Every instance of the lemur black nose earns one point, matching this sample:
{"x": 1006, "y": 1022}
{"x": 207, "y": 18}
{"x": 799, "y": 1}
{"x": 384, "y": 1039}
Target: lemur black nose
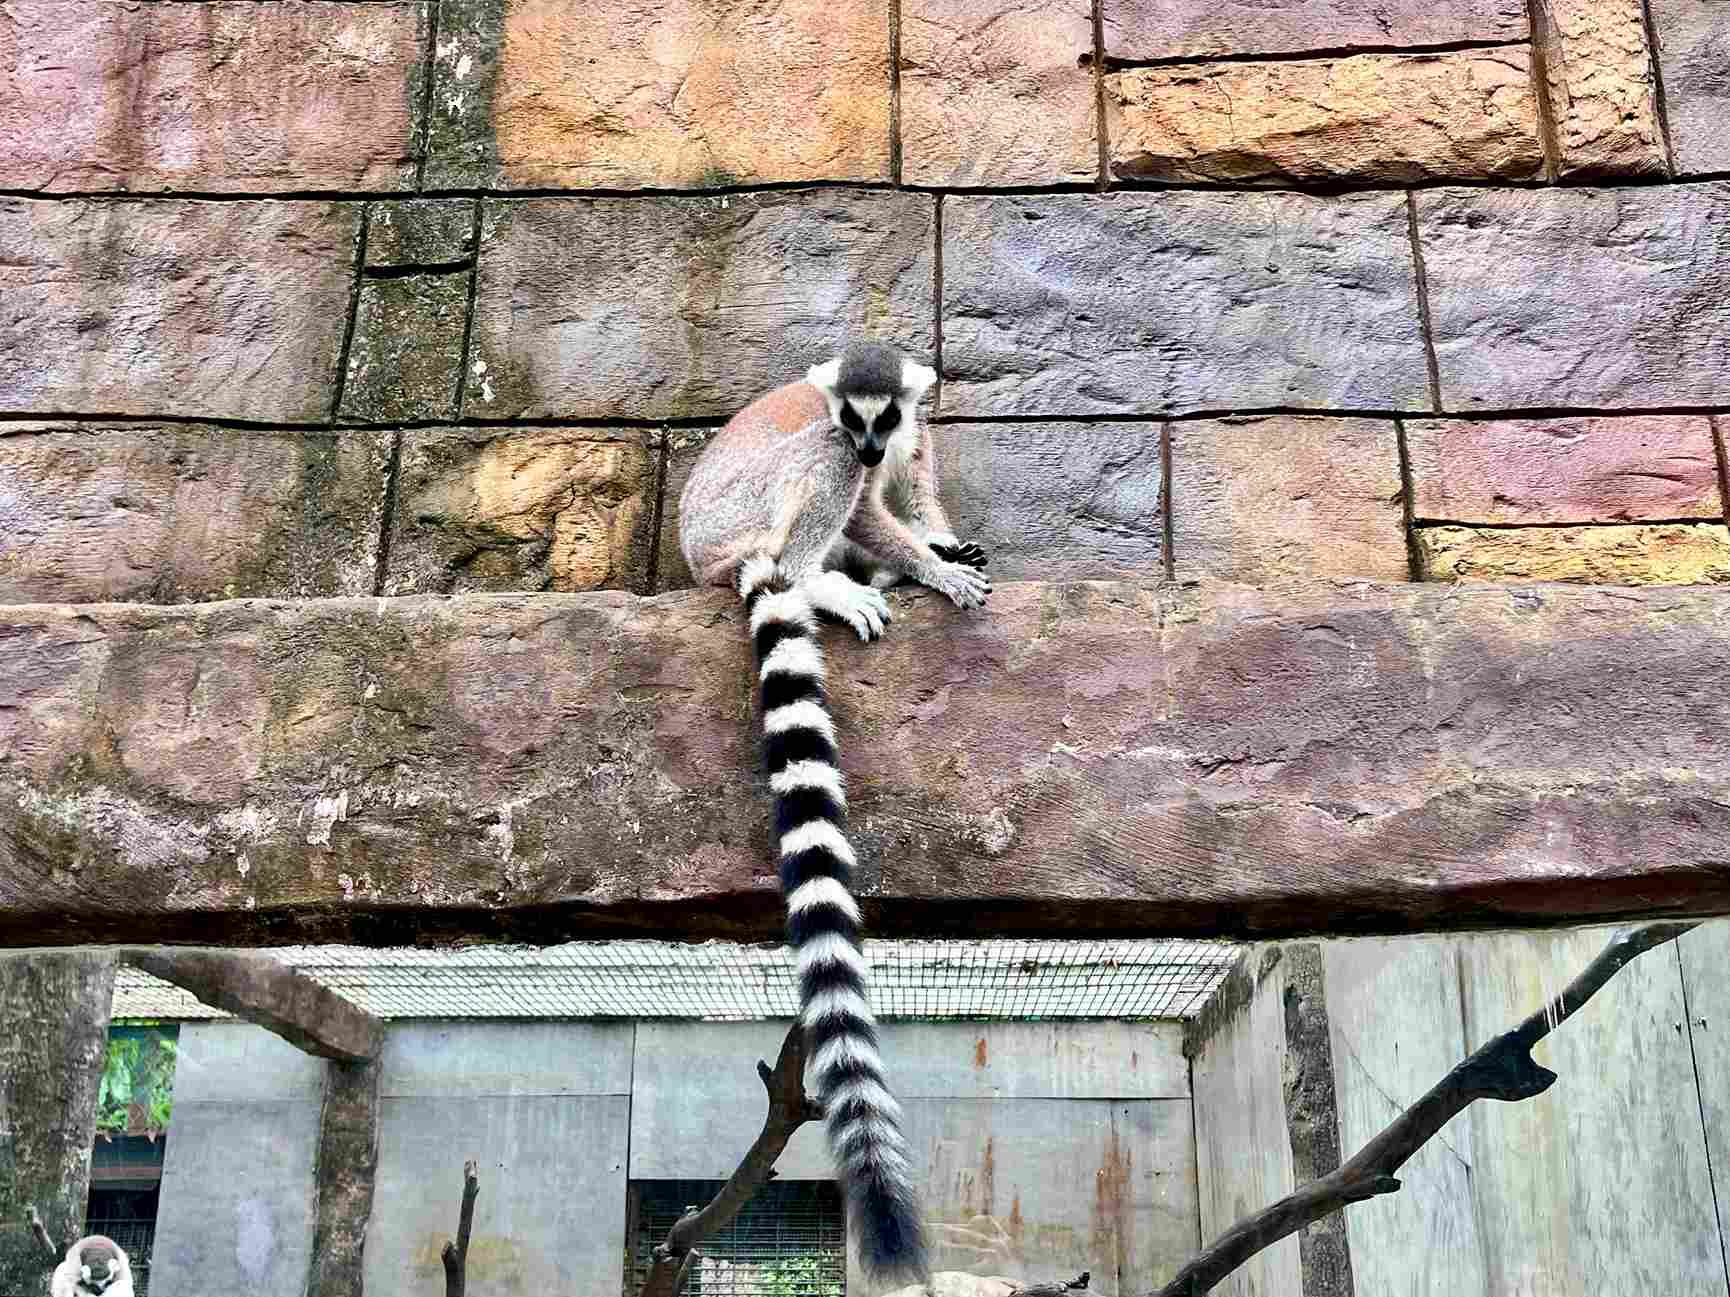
{"x": 870, "y": 456}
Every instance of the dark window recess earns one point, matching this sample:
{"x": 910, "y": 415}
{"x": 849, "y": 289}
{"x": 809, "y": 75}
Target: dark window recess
{"x": 128, "y": 1216}
{"x": 789, "y": 1241}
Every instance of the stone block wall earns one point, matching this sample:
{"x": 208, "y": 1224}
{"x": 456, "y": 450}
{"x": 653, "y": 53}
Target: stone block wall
{"x": 333, "y": 297}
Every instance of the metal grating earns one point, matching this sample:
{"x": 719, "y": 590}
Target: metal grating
{"x": 725, "y": 981}
{"x": 136, "y": 1238}
{"x": 789, "y": 1240}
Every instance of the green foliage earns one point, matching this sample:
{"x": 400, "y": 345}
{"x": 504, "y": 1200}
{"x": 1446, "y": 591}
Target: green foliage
{"x": 802, "y": 1276}
{"x": 136, "y": 1096}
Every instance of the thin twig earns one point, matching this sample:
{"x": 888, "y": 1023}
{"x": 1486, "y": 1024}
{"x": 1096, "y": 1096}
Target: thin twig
{"x": 456, "y": 1255}
{"x": 1502, "y": 1069}
{"x": 40, "y": 1232}
{"x": 789, "y": 1108}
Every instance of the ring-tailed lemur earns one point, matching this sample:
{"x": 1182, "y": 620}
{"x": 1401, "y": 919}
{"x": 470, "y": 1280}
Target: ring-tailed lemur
{"x": 818, "y": 478}
{"x": 93, "y": 1265}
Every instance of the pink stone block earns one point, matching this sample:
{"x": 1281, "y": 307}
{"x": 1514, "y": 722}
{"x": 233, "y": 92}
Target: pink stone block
{"x": 1595, "y": 469}
{"x": 220, "y": 96}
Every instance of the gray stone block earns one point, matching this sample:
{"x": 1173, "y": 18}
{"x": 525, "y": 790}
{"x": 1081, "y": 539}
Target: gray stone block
{"x": 1579, "y": 297}
{"x": 209, "y": 310}
{"x": 1055, "y": 501}
{"x": 1694, "y": 57}
{"x": 678, "y": 307}
{"x": 1152, "y": 303}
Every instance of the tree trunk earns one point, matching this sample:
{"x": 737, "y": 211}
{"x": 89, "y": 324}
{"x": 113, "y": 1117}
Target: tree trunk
{"x": 53, "y": 1039}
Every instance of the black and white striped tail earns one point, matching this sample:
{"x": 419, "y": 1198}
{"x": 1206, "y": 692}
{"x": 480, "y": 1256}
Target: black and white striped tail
{"x": 823, "y": 925}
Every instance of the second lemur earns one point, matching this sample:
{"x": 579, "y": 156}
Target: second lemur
{"x": 805, "y": 488}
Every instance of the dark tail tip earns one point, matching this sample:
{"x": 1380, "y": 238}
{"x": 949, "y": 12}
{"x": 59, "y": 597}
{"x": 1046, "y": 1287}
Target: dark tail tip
{"x": 891, "y": 1240}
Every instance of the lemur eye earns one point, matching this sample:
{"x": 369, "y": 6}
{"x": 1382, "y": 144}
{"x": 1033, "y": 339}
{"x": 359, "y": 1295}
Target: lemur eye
{"x": 850, "y": 417}
{"x": 890, "y": 419}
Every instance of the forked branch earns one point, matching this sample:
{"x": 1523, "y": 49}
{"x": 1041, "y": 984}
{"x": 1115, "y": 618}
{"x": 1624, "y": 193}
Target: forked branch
{"x": 789, "y": 1108}
{"x": 1502, "y": 1069}
{"x": 456, "y": 1255}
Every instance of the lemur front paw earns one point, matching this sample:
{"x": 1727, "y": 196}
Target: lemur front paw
{"x": 951, "y": 550}
{"x": 838, "y": 595}
{"x": 965, "y": 585}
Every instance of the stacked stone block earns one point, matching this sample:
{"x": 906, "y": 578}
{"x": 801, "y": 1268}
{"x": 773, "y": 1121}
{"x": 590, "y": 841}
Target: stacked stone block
{"x": 331, "y": 297}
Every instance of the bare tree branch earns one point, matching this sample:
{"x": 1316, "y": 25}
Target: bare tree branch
{"x": 456, "y": 1255}
{"x": 39, "y": 1232}
{"x": 1502, "y": 1069}
{"x": 789, "y": 1108}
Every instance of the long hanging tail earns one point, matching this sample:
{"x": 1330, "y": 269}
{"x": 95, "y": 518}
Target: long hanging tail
{"x": 823, "y": 925}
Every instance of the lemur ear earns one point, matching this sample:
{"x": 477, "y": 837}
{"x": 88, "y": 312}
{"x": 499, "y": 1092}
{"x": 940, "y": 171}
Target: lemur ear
{"x": 824, "y": 377}
{"x": 916, "y": 379}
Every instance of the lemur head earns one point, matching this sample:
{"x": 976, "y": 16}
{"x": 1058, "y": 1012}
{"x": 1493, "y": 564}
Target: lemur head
{"x": 871, "y": 389}
{"x": 100, "y": 1263}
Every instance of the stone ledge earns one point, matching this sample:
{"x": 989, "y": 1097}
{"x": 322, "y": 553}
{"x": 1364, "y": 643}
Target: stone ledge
{"x": 1081, "y": 759}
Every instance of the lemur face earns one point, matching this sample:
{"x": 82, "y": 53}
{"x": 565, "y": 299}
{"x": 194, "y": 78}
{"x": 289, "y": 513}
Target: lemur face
{"x": 871, "y": 389}
{"x": 869, "y": 421}
{"x": 99, "y": 1266}
{"x": 96, "y": 1277}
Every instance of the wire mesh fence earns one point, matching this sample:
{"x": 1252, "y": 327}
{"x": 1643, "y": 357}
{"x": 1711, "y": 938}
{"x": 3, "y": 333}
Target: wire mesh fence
{"x": 722, "y": 981}
{"x": 789, "y": 1240}
{"x": 135, "y": 1238}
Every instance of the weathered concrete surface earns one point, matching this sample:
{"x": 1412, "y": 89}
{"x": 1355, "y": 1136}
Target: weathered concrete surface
{"x": 676, "y": 1136}
{"x": 523, "y": 509}
{"x": 1603, "y": 98}
{"x": 408, "y": 348}
{"x": 1470, "y": 114}
{"x": 431, "y": 1060}
{"x": 1164, "y": 29}
{"x": 1264, "y": 500}
{"x": 1238, "y": 1053}
{"x": 175, "y": 512}
{"x": 421, "y": 232}
{"x": 269, "y": 994}
{"x": 220, "y": 96}
{"x": 1704, "y": 955}
{"x": 1396, "y": 1028}
{"x": 1055, "y": 501}
{"x": 1083, "y": 758}
{"x": 1694, "y": 55}
{"x": 239, "y": 1203}
{"x": 1631, "y": 554}
{"x": 1604, "y": 298}
{"x": 1004, "y": 1186}
{"x": 697, "y": 1102}
{"x": 1152, "y": 303}
{"x": 993, "y": 92}
{"x": 1634, "y": 469}
{"x": 1624, "y": 1107}
{"x": 700, "y": 94}
{"x": 211, "y": 310}
{"x": 544, "y": 1107}
{"x": 659, "y": 308}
